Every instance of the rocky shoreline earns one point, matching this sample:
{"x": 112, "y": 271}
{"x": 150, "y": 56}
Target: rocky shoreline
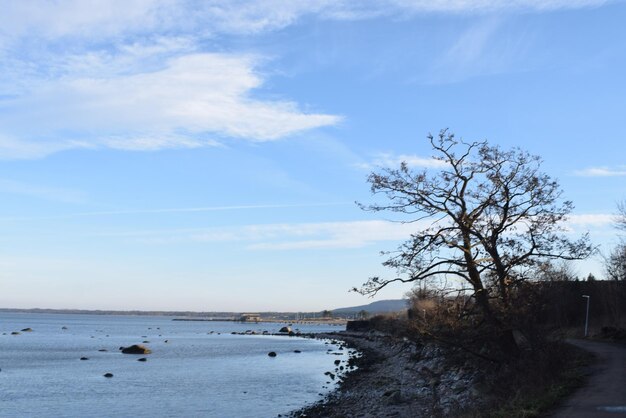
{"x": 396, "y": 377}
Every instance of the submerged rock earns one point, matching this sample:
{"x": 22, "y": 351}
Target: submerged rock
{"x": 136, "y": 349}
{"x": 142, "y": 359}
{"x": 108, "y": 375}
{"x": 272, "y": 354}
{"x": 27, "y": 330}
{"x": 84, "y": 358}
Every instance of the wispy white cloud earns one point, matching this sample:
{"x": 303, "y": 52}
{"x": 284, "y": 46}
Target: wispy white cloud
{"x": 124, "y": 212}
{"x": 477, "y": 6}
{"x": 297, "y": 236}
{"x": 602, "y": 171}
{"x": 322, "y": 235}
{"x": 188, "y": 103}
{"x": 135, "y": 74}
{"x": 390, "y": 160}
{"x": 21, "y": 148}
{"x": 474, "y": 53}
{"x": 331, "y": 235}
{"x": 41, "y": 192}
{"x": 292, "y": 236}
{"x": 591, "y": 219}
{"x": 116, "y": 17}
{"x": 598, "y": 224}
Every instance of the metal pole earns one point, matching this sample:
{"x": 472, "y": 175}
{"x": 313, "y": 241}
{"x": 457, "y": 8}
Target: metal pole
{"x": 587, "y": 315}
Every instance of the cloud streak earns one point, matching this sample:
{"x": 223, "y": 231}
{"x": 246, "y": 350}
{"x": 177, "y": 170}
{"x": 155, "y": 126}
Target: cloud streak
{"x": 159, "y": 210}
{"x": 602, "y": 172}
{"x": 319, "y": 236}
{"x": 591, "y": 219}
{"x": 62, "y": 19}
{"x": 46, "y": 193}
{"x": 390, "y": 160}
{"x": 283, "y": 237}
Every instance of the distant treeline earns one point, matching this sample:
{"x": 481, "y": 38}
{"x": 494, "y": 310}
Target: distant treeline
{"x": 186, "y": 314}
{"x": 106, "y": 312}
{"x": 563, "y": 304}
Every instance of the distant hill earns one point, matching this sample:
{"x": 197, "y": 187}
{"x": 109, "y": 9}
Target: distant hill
{"x": 378, "y": 307}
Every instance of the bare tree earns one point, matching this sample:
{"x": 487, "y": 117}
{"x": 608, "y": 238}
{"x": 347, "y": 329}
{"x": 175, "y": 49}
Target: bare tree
{"x": 493, "y": 214}
{"x": 615, "y": 262}
{"x": 620, "y": 218}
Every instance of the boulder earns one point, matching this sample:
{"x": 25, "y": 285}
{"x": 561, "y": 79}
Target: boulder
{"x": 84, "y": 358}
{"x": 136, "y": 349}
{"x": 285, "y": 329}
{"x": 142, "y": 359}
{"x": 272, "y": 354}
{"x": 27, "y": 330}
{"x": 108, "y": 375}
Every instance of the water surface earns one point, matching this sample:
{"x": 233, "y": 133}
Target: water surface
{"x": 196, "y": 369}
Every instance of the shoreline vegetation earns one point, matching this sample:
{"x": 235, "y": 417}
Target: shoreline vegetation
{"x": 394, "y": 376}
{"x": 443, "y": 363}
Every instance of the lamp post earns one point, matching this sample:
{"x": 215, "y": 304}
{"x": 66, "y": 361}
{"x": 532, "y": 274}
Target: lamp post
{"x": 587, "y": 315}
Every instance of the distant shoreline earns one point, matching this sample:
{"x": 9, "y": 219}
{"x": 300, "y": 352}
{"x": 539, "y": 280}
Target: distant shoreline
{"x": 114, "y": 312}
{"x": 328, "y": 321}
{"x": 190, "y": 315}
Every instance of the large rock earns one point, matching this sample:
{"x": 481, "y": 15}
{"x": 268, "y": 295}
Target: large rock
{"x": 136, "y": 349}
{"x": 285, "y": 329}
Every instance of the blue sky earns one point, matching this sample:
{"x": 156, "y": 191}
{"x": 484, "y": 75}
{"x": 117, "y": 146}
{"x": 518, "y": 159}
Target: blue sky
{"x": 206, "y": 155}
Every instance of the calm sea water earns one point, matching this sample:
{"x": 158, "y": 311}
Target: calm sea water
{"x": 201, "y": 371}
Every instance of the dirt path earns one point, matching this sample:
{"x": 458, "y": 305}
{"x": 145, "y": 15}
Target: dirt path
{"x": 604, "y": 395}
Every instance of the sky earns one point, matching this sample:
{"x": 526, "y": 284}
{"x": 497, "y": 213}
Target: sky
{"x": 207, "y": 155}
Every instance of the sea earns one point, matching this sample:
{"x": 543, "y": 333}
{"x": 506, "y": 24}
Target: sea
{"x": 196, "y": 368}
